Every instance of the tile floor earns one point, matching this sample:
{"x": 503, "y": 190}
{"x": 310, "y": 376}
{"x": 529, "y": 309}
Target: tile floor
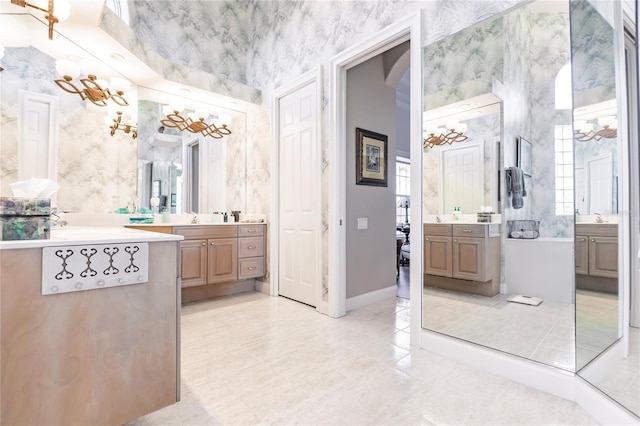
{"x": 254, "y": 359}
{"x": 624, "y": 384}
{"x": 543, "y": 333}
{"x": 597, "y": 323}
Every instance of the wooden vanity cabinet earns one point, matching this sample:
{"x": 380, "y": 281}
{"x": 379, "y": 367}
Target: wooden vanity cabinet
{"x": 222, "y": 260}
{"x": 193, "y": 255}
{"x": 251, "y": 242}
{"x": 438, "y": 250}
{"x": 463, "y": 257}
{"x": 597, "y": 250}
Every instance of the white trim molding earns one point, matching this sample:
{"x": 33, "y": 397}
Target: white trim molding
{"x": 391, "y": 36}
{"x": 371, "y": 297}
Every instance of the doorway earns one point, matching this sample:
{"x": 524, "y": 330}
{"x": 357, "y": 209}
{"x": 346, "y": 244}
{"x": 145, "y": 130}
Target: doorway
{"x": 393, "y": 35}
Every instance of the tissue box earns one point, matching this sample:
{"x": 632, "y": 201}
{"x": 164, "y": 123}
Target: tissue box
{"x": 24, "y": 218}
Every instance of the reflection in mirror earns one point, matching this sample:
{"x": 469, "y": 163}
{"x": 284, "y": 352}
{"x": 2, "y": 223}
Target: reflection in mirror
{"x": 599, "y": 163}
{"x": 597, "y": 177}
{"x": 479, "y": 284}
{"x": 96, "y": 171}
{"x": 196, "y": 173}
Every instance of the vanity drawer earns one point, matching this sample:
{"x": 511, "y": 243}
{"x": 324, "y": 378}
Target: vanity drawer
{"x": 250, "y": 247}
{"x": 437, "y": 229}
{"x": 207, "y": 231}
{"x": 250, "y": 268}
{"x": 250, "y": 230}
{"x": 469, "y": 230}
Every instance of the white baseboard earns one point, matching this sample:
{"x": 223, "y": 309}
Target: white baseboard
{"x": 371, "y": 297}
{"x": 503, "y": 288}
{"x": 538, "y": 376}
{"x": 548, "y": 379}
{"x": 599, "y": 406}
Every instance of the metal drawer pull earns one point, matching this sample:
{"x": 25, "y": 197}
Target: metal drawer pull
{"x": 593, "y": 240}
{"x": 581, "y": 239}
{"x": 467, "y": 230}
{"x": 251, "y": 268}
{"x": 251, "y": 247}
{"x": 249, "y": 231}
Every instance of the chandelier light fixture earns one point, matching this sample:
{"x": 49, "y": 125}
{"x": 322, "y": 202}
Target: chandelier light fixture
{"x": 93, "y": 89}
{"x": 195, "y": 122}
{"x": 114, "y": 121}
{"x": 585, "y": 130}
{"x": 453, "y": 132}
{"x": 62, "y": 10}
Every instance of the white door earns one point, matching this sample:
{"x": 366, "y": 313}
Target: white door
{"x": 600, "y": 181}
{"x": 299, "y": 229}
{"x": 462, "y": 170}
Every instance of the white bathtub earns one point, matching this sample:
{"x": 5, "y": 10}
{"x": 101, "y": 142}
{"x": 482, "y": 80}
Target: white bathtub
{"x": 543, "y": 267}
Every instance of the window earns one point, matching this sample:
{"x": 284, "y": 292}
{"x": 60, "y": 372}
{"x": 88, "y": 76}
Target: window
{"x": 120, "y": 8}
{"x": 403, "y": 189}
{"x": 564, "y": 169}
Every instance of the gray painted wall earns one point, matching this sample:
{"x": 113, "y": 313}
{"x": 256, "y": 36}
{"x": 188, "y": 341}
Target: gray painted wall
{"x": 371, "y": 105}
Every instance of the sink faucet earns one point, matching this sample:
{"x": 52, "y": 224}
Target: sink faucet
{"x": 55, "y": 219}
{"x": 194, "y": 218}
{"x": 438, "y": 220}
{"x": 599, "y": 218}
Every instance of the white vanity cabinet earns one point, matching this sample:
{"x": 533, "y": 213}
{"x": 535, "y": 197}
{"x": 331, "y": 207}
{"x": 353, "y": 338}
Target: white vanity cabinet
{"x": 463, "y": 257}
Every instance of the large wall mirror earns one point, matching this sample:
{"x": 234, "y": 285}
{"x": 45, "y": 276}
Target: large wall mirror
{"x": 489, "y": 95}
{"x": 188, "y": 171}
{"x": 100, "y": 172}
{"x": 599, "y": 169}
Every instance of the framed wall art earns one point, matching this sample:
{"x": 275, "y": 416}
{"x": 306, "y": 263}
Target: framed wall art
{"x": 371, "y": 158}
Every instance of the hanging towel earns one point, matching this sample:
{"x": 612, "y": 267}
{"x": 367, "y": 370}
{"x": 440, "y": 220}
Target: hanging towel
{"x": 515, "y": 186}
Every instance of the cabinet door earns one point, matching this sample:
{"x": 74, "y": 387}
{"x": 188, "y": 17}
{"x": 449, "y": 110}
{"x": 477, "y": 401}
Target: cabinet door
{"x": 468, "y": 258}
{"x": 437, "y": 255}
{"x": 222, "y": 264}
{"x": 582, "y": 254}
{"x": 603, "y": 257}
{"x": 193, "y": 262}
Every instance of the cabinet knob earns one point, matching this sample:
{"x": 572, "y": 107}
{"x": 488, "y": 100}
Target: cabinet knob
{"x": 581, "y": 240}
{"x": 455, "y": 241}
{"x": 426, "y": 239}
{"x": 593, "y": 240}
{"x": 204, "y": 244}
{"x": 213, "y": 244}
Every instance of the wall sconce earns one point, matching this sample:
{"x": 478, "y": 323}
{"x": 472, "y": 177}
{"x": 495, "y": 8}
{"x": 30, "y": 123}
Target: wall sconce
{"x": 453, "y": 132}
{"x": 195, "y": 121}
{"x": 114, "y": 121}
{"x": 95, "y": 90}
{"x": 584, "y": 130}
{"x": 62, "y": 7}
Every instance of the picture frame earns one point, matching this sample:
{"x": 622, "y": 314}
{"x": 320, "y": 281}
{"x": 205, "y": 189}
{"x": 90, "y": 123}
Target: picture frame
{"x": 371, "y": 158}
{"x": 525, "y": 151}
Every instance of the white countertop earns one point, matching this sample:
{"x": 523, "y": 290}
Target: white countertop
{"x": 82, "y": 235}
{"x": 160, "y": 224}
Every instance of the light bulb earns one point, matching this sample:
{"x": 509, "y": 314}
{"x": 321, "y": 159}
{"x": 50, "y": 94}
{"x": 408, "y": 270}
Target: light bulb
{"x": 68, "y": 68}
{"x": 582, "y": 126}
{"x": 452, "y": 125}
{"x": 119, "y": 84}
{"x": 176, "y": 105}
{"x": 201, "y": 113}
{"x": 462, "y": 127}
{"x": 108, "y": 120}
{"x": 608, "y": 121}
{"x": 62, "y": 9}
{"x": 193, "y": 116}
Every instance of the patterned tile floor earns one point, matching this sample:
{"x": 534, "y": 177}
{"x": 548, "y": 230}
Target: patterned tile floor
{"x": 254, "y": 359}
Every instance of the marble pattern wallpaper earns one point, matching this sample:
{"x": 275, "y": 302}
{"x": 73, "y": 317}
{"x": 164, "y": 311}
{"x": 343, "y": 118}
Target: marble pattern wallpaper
{"x": 463, "y": 65}
{"x": 284, "y": 39}
{"x": 96, "y": 172}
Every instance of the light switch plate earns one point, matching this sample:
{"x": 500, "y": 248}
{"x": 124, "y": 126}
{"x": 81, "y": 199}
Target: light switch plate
{"x": 363, "y": 223}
